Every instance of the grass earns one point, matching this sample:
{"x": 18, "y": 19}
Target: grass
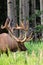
{"x": 36, "y": 46}
{"x": 33, "y": 56}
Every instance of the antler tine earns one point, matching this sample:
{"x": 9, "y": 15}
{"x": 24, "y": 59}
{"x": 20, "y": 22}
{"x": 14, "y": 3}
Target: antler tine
{"x": 27, "y": 25}
{"x": 16, "y": 25}
{"x": 18, "y": 28}
{"x": 6, "y": 23}
{"x": 30, "y": 37}
{"x": 23, "y": 39}
{"x": 21, "y": 27}
{"x": 22, "y": 24}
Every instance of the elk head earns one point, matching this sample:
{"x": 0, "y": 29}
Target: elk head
{"x": 21, "y": 27}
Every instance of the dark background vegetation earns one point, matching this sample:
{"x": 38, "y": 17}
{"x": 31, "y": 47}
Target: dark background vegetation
{"x": 3, "y": 12}
{"x": 3, "y": 9}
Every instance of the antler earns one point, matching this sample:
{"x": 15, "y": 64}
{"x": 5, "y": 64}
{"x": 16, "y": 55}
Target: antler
{"x": 21, "y": 27}
{"x": 6, "y": 23}
{"x": 30, "y": 37}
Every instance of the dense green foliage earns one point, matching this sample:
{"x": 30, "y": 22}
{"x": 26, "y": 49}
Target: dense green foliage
{"x": 24, "y": 58}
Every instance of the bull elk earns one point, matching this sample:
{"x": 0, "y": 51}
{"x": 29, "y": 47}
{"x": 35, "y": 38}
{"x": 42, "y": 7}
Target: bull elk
{"x": 11, "y": 41}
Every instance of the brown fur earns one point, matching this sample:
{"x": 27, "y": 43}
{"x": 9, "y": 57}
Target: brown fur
{"x": 7, "y": 42}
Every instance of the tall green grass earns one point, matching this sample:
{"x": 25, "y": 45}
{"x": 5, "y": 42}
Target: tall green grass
{"x": 22, "y": 58}
{"x": 33, "y": 56}
{"x": 36, "y": 46}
